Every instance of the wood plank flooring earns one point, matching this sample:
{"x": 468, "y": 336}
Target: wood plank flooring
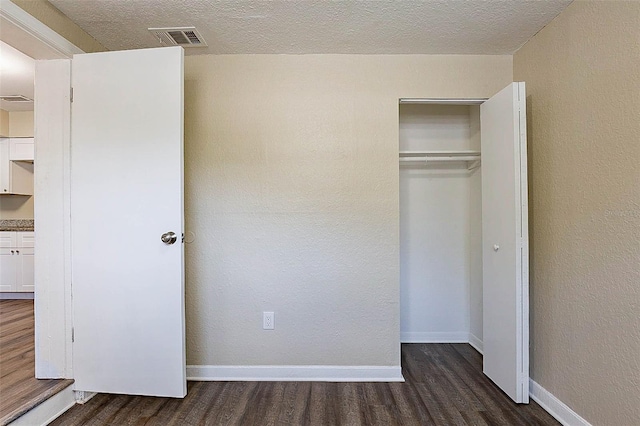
{"x": 19, "y": 389}
{"x": 444, "y": 386}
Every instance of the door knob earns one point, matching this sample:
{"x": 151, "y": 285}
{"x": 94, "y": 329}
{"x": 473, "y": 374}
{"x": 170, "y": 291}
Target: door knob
{"x": 169, "y": 238}
{"x": 496, "y": 247}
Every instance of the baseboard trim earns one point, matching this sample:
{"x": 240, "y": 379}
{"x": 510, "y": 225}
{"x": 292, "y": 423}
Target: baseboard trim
{"x": 434, "y": 337}
{"x": 82, "y": 397}
{"x": 558, "y": 409}
{"x": 49, "y": 410}
{"x": 294, "y": 373}
{"x": 475, "y": 342}
{"x": 16, "y": 296}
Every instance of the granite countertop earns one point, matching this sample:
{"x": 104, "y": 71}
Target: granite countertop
{"x": 16, "y": 224}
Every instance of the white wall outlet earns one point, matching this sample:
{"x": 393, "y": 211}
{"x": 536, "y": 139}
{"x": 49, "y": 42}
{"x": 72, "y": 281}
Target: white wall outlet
{"x": 268, "y": 321}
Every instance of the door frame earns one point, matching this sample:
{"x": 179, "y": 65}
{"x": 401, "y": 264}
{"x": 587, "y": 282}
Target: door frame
{"x": 523, "y": 224}
{"x": 53, "y": 315}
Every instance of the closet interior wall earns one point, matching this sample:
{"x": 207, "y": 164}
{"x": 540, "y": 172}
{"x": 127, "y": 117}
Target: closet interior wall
{"x": 440, "y": 227}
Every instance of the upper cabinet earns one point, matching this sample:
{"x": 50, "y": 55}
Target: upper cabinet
{"x": 21, "y": 149}
{"x": 16, "y": 177}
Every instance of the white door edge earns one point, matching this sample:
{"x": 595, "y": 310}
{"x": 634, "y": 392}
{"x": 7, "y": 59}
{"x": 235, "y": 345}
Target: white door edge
{"x": 524, "y": 238}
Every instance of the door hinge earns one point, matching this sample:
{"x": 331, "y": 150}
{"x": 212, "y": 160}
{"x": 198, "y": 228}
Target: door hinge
{"x": 72, "y": 94}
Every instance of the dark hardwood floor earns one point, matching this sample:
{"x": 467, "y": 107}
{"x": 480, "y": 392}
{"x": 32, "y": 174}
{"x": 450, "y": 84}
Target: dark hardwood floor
{"x": 444, "y": 386}
{"x": 19, "y": 389}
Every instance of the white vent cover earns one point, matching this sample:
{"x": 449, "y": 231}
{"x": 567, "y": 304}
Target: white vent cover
{"x": 15, "y": 98}
{"x": 179, "y": 36}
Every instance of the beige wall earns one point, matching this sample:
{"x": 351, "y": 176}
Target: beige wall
{"x": 49, "y": 15}
{"x": 19, "y": 124}
{"x": 583, "y": 100}
{"x": 4, "y": 123}
{"x": 16, "y": 207}
{"x": 292, "y": 194}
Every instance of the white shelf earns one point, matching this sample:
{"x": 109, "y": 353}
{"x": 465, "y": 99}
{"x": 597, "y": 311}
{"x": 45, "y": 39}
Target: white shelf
{"x": 443, "y": 101}
{"x": 471, "y": 158}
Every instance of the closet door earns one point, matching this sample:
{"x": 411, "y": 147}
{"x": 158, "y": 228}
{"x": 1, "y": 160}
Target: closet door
{"x": 505, "y": 251}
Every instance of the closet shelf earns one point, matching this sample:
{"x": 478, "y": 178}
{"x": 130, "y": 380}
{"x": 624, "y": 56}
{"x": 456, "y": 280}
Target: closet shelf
{"x": 471, "y": 158}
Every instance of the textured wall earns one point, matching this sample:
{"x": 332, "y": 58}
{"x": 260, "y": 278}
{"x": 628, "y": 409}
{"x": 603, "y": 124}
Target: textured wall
{"x": 46, "y": 13}
{"x": 583, "y": 101}
{"x": 20, "y": 124}
{"x": 4, "y": 123}
{"x": 292, "y": 194}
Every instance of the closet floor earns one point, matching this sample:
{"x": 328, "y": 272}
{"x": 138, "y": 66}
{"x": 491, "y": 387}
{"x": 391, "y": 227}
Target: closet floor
{"x": 20, "y": 391}
{"x": 444, "y": 386}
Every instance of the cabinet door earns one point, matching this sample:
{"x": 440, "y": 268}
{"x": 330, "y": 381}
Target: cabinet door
{"x": 5, "y": 174}
{"x": 24, "y": 239}
{"x": 8, "y": 239}
{"x": 24, "y": 259}
{"x": 7, "y": 269}
{"x": 21, "y": 149}
{"x": 15, "y": 177}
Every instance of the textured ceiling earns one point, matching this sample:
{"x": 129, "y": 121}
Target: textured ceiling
{"x": 306, "y": 27}
{"x": 16, "y": 77}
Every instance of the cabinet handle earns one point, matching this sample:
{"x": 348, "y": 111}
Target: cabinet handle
{"x": 17, "y": 251}
{"x": 11, "y": 251}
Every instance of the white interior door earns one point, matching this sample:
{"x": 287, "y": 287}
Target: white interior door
{"x": 126, "y": 192}
{"x": 505, "y": 251}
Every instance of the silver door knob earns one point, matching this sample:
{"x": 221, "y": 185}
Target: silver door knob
{"x": 169, "y": 238}
{"x": 496, "y": 247}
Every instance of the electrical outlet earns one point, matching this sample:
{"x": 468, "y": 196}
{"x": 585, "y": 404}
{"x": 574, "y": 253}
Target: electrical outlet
{"x": 268, "y": 321}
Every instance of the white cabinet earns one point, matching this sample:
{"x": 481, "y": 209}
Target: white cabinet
{"x": 21, "y": 149}
{"x": 16, "y": 261}
{"x": 8, "y": 270}
{"x": 16, "y": 177}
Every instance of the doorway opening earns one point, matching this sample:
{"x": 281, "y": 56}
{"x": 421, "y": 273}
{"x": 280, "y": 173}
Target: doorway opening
{"x": 440, "y": 224}
{"x": 20, "y": 389}
{"x": 463, "y": 229}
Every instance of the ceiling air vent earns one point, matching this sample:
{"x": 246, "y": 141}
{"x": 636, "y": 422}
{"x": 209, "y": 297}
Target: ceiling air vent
{"x": 179, "y": 36}
{"x": 15, "y": 98}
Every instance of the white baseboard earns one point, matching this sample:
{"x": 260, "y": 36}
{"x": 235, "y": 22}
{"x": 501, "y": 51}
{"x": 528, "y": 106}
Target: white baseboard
{"x": 434, "y": 337}
{"x": 49, "y": 410}
{"x": 15, "y": 296}
{"x": 475, "y": 342}
{"x": 294, "y": 373}
{"x": 558, "y": 409}
{"x": 82, "y": 397}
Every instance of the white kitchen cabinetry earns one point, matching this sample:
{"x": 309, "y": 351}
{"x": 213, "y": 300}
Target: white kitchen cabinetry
{"x": 21, "y": 149}
{"x": 16, "y": 177}
{"x": 16, "y": 261}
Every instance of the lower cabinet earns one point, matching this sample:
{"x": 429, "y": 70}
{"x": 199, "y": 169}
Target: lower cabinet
{"x": 16, "y": 261}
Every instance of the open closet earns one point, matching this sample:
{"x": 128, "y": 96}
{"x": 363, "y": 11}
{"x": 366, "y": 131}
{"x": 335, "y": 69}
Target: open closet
{"x": 463, "y": 229}
{"x": 440, "y": 223}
